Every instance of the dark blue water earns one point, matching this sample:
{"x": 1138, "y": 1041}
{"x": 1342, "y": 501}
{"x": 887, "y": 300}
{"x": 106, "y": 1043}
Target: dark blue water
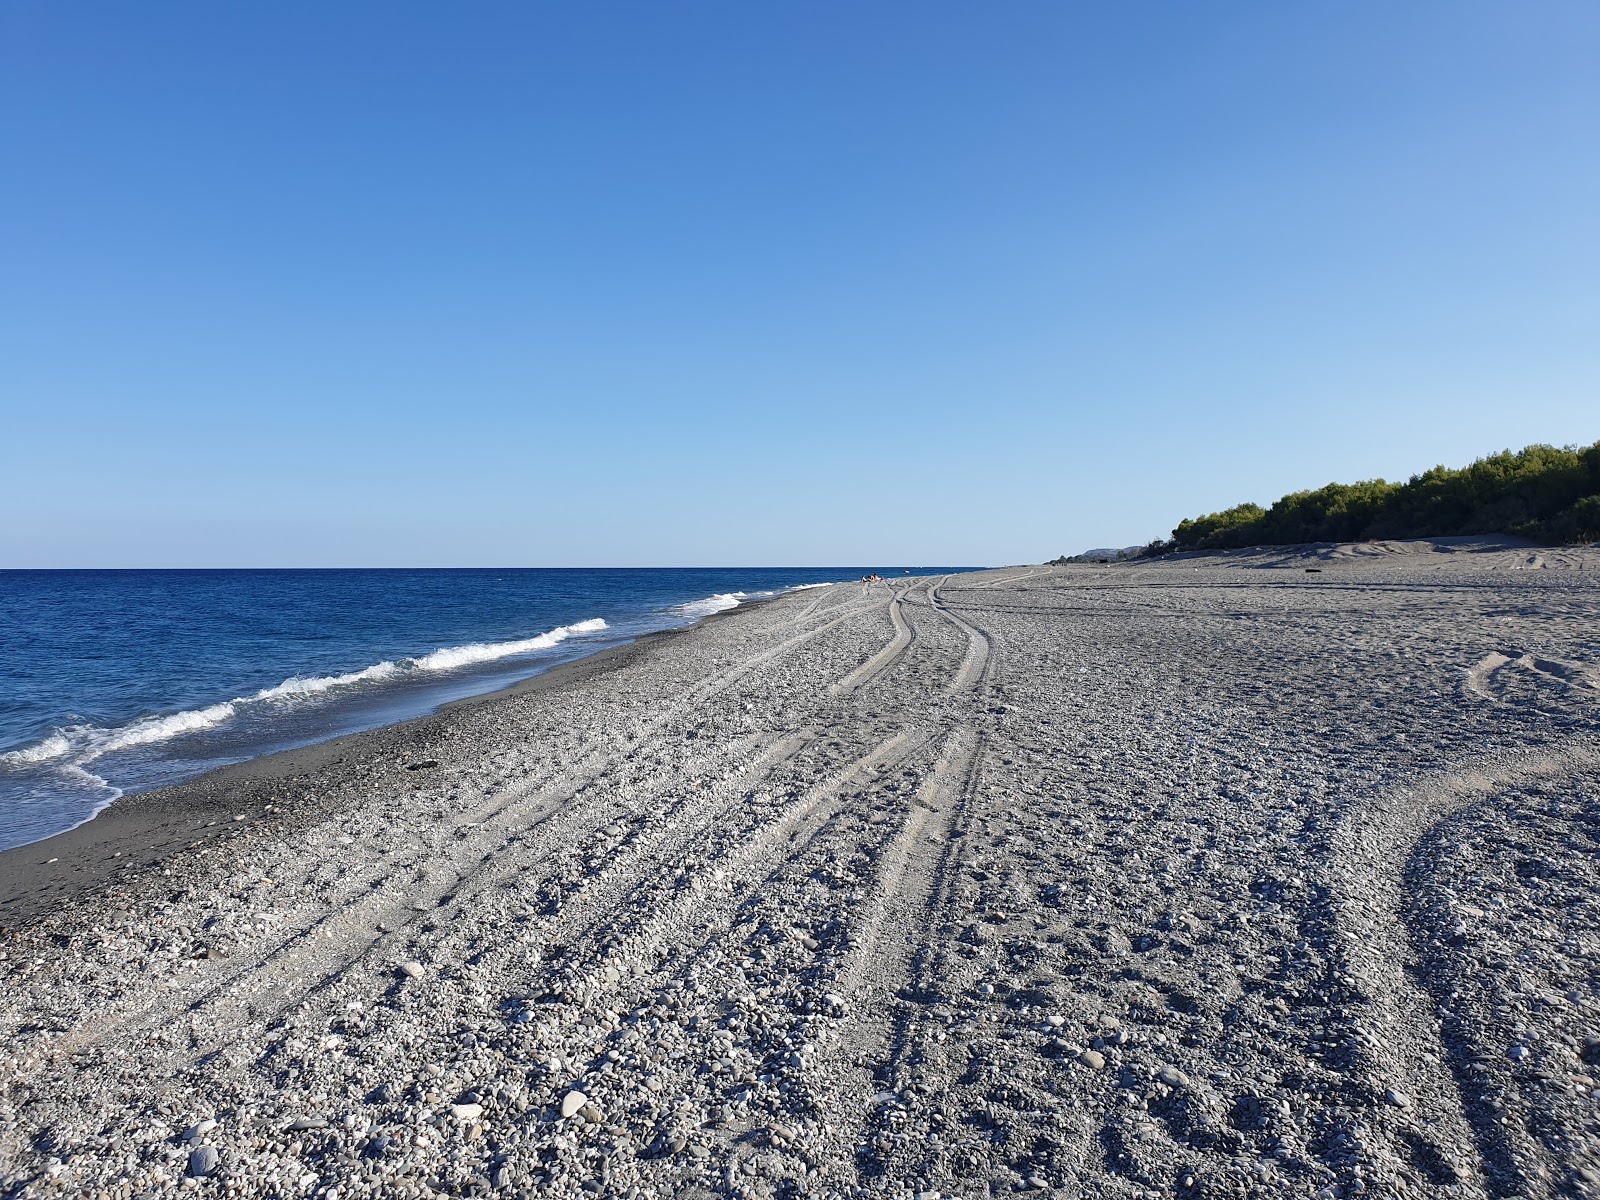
{"x": 120, "y": 681}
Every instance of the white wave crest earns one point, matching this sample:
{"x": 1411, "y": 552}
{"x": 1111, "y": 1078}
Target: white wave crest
{"x": 54, "y": 746}
{"x": 462, "y": 656}
{"x": 159, "y": 729}
{"x": 299, "y": 686}
{"x": 711, "y": 604}
{"x": 85, "y": 743}
{"x": 803, "y": 587}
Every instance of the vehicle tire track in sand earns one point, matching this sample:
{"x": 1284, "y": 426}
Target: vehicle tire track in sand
{"x": 1371, "y": 847}
{"x": 726, "y": 882}
{"x": 801, "y": 617}
{"x": 1480, "y": 673}
{"x": 880, "y": 661}
{"x": 1573, "y": 678}
{"x": 1007, "y": 580}
{"x": 398, "y": 892}
{"x": 378, "y": 911}
{"x": 599, "y": 895}
{"x": 426, "y": 881}
{"x": 887, "y": 945}
{"x": 974, "y": 666}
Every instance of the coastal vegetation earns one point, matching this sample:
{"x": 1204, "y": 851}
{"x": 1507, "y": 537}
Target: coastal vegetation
{"x": 1549, "y": 494}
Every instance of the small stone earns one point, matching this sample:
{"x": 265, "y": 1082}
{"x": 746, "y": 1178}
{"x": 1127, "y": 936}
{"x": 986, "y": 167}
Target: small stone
{"x": 1172, "y": 1077}
{"x": 1518, "y": 1053}
{"x": 413, "y": 970}
{"x": 1092, "y": 1058}
{"x": 466, "y": 1112}
{"x": 202, "y": 1161}
{"x": 1397, "y": 1098}
{"x": 590, "y": 1114}
{"x": 300, "y": 1124}
{"x": 573, "y": 1103}
{"x": 199, "y": 1130}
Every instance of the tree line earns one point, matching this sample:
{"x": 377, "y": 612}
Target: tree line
{"x": 1549, "y": 494}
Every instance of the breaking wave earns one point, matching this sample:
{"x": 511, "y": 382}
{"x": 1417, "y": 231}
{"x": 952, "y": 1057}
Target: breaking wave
{"x": 84, "y": 743}
{"x": 54, "y": 746}
{"x": 711, "y": 604}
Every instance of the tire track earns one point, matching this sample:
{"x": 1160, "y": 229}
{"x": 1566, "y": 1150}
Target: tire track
{"x": 424, "y": 880}
{"x": 598, "y": 894}
{"x": 377, "y": 913}
{"x": 974, "y": 668}
{"x": 880, "y": 661}
{"x": 712, "y": 897}
{"x": 1370, "y": 849}
{"x": 877, "y": 978}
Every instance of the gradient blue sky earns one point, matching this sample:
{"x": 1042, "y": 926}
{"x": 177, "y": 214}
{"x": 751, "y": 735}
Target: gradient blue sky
{"x": 688, "y": 283}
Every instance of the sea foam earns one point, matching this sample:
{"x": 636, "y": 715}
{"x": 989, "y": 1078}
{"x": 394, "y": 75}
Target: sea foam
{"x": 478, "y": 652}
{"x": 85, "y": 743}
{"x": 54, "y": 746}
{"x": 711, "y": 604}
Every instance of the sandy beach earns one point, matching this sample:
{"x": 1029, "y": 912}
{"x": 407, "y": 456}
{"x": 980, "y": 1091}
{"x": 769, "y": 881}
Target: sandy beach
{"x": 1271, "y": 873}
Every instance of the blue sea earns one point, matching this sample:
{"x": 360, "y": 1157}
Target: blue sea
{"x": 121, "y": 681}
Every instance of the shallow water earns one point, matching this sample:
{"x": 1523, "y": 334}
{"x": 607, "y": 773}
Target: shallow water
{"x": 118, "y": 681}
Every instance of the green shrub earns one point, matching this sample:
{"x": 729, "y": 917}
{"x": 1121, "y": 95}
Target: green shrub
{"x": 1547, "y": 493}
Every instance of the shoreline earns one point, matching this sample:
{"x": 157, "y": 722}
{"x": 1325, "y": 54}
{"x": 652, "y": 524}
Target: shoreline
{"x": 131, "y": 838}
{"x": 1113, "y": 882}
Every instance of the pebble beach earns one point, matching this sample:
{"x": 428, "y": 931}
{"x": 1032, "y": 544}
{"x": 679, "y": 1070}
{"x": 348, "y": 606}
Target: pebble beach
{"x": 1269, "y": 873}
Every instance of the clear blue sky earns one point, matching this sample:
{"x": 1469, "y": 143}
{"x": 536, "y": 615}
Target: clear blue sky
{"x": 688, "y": 283}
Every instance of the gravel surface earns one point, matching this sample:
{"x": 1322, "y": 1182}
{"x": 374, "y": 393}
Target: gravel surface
{"x": 1256, "y": 875}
